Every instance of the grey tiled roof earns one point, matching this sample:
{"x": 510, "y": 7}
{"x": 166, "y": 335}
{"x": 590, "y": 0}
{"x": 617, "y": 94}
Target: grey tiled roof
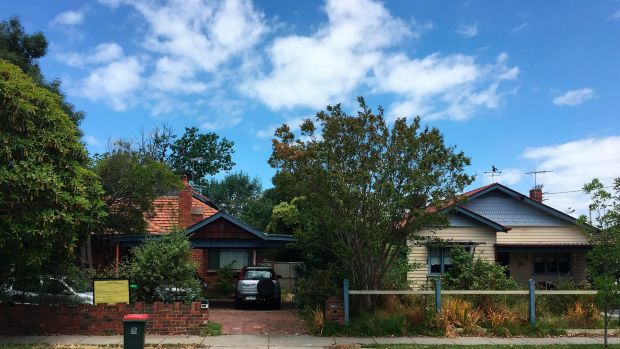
{"x": 511, "y": 212}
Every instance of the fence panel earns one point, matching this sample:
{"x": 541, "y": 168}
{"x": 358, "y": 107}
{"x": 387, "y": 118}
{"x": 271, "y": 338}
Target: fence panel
{"x": 531, "y": 292}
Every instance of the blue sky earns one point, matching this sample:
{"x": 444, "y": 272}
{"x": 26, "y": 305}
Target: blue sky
{"x": 522, "y": 85}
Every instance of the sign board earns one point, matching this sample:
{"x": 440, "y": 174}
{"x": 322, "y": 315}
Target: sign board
{"x": 111, "y": 291}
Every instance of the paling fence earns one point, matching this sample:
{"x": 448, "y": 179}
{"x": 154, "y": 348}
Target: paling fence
{"x": 531, "y": 293}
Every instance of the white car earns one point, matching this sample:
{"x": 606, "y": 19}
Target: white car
{"x": 47, "y": 289}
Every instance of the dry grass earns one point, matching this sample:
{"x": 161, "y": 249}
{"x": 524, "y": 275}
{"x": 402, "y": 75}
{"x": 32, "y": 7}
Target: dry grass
{"x": 457, "y": 313}
{"x": 583, "y": 314}
{"x": 318, "y": 320}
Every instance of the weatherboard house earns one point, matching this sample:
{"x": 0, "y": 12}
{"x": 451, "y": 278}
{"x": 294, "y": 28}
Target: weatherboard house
{"x": 217, "y": 238}
{"x": 496, "y": 223}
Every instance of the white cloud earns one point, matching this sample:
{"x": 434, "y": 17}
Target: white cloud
{"x": 574, "y": 97}
{"x": 70, "y": 18}
{"x": 443, "y": 87}
{"x": 615, "y": 16}
{"x": 354, "y": 50}
{"x": 520, "y": 27}
{"x": 114, "y": 83}
{"x": 574, "y": 164}
{"x": 103, "y": 53}
{"x": 325, "y": 67}
{"x": 468, "y": 31}
{"x": 93, "y": 141}
{"x": 268, "y": 132}
{"x": 198, "y": 36}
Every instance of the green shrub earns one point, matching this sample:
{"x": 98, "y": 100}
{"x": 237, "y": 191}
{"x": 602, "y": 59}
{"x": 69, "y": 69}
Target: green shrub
{"x": 469, "y": 273}
{"x": 163, "y": 269}
{"x": 224, "y": 286}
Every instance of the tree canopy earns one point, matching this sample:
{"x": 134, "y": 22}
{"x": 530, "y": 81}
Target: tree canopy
{"x": 233, "y": 193}
{"x": 197, "y": 155}
{"x": 131, "y": 182}
{"x": 24, "y": 50}
{"x": 49, "y": 201}
{"x": 364, "y": 187}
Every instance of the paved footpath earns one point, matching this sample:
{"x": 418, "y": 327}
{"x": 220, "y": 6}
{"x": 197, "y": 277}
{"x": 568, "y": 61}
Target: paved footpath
{"x": 292, "y": 341}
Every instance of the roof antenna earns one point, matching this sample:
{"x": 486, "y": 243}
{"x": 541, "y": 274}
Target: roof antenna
{"x": 495, "y": 172}
{"x": 537, "y": 173}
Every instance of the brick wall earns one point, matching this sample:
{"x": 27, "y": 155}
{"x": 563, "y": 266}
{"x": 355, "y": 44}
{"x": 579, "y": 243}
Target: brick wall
{"x": 26, "y": 319}
{"x": 200, "y": 256}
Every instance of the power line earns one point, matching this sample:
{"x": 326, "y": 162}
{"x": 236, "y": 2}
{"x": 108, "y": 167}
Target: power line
{"x": 573, "y": 191}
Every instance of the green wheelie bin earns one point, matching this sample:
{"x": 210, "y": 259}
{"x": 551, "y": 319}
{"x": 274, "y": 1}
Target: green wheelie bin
{"x": 134, "y": 328}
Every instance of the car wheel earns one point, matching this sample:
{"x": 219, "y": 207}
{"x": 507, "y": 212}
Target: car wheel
{"x": 238, "y": 303}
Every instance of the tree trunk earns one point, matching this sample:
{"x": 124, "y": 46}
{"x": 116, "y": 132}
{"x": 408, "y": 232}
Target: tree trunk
{"x": 607, "y": 316}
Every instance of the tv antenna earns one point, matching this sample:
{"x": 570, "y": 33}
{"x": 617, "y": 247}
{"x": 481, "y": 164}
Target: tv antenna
{"x": 537, "y": 173}
{"x": 495, "y": 172}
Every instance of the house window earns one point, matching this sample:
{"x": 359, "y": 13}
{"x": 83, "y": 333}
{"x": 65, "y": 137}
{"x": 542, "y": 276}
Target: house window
{"x": 440, "y": 259}
{"x": 236, "y": 259}
{"x": 552, "y": 263}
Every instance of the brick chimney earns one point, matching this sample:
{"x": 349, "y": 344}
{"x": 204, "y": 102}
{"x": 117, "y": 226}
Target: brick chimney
{"x": 536, "y": 193}
{"x": 185, "y": 204}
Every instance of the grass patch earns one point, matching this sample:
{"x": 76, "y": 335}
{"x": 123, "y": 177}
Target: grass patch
{"x": 212, "y": 329}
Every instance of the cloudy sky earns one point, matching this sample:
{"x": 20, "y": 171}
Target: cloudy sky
{"x": 522, "y": 85}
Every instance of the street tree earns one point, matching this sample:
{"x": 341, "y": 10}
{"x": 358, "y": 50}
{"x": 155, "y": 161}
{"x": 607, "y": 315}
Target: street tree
{"x": 604, "y": 258}
{"x": 364, "y": 187}
{"x": 49, "y": 201}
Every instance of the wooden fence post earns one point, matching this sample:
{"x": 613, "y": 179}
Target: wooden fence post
{"x": 437, "y": 295}
{"x": 345, "y": 293}
{"x": 532, "y": 301}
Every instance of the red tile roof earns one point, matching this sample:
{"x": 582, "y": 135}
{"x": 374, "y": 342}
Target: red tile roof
{"x": 165, "y": 215}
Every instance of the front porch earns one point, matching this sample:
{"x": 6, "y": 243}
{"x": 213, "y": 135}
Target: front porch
{"x": 547, "y": 265}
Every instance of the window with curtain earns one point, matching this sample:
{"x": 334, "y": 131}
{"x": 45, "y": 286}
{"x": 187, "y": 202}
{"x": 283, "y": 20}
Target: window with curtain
{"x": 236, "y": 259}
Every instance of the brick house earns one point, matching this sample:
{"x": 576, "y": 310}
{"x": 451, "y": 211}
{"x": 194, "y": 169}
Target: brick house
{"x": 218, "y": 239}
{"x": 496, "y": 223}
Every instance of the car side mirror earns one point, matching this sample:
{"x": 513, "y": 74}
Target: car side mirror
{"x": 278, "y": 277}
{"x": 236, "y": 275}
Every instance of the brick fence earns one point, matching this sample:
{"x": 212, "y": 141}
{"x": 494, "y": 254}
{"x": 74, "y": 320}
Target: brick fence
{"x": 26, "y": 319}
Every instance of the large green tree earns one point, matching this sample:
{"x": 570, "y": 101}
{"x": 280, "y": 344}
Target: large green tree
{"x": 364, "y": 186}
{"x": 49, "y": 201}
{"x": 197, "y": 155}
{"x": 131, "y": 182}
{"x": 232, "y": 194}
{"x": 24, "y": 50}
{"x": 604, "y": 258}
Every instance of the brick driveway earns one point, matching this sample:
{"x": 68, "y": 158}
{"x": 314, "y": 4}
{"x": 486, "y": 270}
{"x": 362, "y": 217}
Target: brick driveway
{"x": 256, "y": 319}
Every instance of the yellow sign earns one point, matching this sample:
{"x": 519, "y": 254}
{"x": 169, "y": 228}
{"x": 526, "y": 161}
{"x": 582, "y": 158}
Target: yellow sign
{"x": 111, "y": 291}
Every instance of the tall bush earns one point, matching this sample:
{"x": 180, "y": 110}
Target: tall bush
{"x": 469, "y": 273}
{"x": 163, "y": 269}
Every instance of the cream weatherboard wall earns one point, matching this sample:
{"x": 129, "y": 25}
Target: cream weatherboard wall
{"x": 483, "y": 237}
{"x": 567, "y": 235}
{"x": 522, "y": 268}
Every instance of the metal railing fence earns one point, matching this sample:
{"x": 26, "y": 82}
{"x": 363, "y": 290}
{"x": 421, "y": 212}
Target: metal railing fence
{"x": 531, "y": 292}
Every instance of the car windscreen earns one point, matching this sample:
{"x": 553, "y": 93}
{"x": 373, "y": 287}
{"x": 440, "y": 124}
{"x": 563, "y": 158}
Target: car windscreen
{"x": 254, "y": 274}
